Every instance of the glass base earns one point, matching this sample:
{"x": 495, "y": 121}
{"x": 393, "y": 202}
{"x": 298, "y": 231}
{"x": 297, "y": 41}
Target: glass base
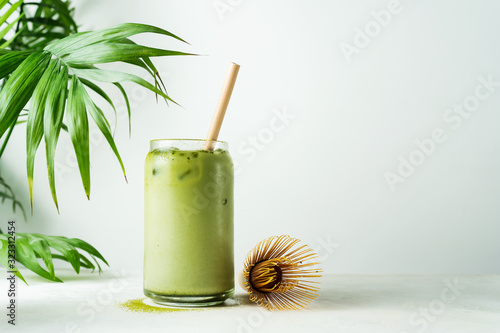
{"x": 189, "y": 301}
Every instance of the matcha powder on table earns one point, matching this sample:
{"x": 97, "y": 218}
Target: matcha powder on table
{"x": 138, "y": 305}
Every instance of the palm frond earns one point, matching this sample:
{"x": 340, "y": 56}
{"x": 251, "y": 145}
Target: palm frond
{"x": 8, "y": 22}
{"x": 78, "y": 128}
{"x": 43, "y": 22}
{"x": 53, "y": 121}
{"x": 45, "y": 75}
{"x": 32, "y": 247}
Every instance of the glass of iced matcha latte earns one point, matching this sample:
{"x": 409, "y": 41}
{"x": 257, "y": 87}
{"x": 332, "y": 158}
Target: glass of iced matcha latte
{"x": 188, "y": 215}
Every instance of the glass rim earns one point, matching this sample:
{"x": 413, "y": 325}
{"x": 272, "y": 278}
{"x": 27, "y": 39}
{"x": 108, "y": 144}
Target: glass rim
{"x": 193, "y": 140}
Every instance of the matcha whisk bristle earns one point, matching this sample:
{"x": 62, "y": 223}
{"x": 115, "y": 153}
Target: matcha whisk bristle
{"x": 280, "y": 274}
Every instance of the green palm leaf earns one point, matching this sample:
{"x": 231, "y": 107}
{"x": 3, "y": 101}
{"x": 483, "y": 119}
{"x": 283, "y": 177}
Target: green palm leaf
{"x": 127, "y": 103}
{"x": 9, "y": 11}
{"x": 32, "y": 247}
{"x": 9, "y": 27}
{"x": 77, "y": 41}
{"x": 112, "y": 52}
{"x": 25, "y": 255}
{"x": 6, "y": 27}
{"x": 100, "y": 92}
{"x": 44, "y": 22}
{"x": 103, "y": 125}
{"x": 4, "y": 257}
{"x": 35, "y": 128}
{"x": 10, "y": 60}
{"x": 78, "y": 128}
{"x": 115, "y": 76}
{"x": 42, "y": 250}
{"x": 19, "y": 88}
{"x": 44, "y": 77}
{"x": 54, "y": 112}
{"x": 6, "y": 43}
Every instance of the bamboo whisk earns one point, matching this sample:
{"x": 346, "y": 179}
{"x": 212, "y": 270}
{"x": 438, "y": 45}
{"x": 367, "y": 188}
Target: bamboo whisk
{"x": 279, "y": 274}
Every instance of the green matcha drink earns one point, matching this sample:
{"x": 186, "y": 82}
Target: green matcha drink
{"x": 188, "y": 214}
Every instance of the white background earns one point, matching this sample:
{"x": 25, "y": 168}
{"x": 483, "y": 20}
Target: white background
{"x": 320, "y": 177}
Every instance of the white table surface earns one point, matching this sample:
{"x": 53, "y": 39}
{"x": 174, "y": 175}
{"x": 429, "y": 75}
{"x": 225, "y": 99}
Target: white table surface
{"x": 88, "y": 303}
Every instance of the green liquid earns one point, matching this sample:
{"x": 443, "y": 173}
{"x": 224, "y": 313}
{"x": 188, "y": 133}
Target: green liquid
{"x": 188, "y": 205}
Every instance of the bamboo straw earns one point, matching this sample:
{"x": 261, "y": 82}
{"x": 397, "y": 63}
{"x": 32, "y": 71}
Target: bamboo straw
{"x": 221, "y": 107}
